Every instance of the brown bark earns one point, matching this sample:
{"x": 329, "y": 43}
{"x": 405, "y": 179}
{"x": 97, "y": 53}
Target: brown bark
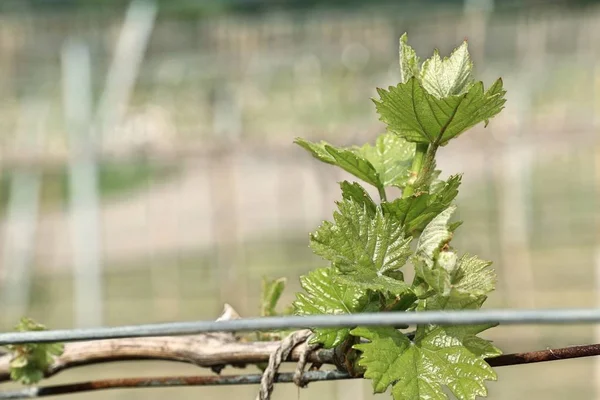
{"x": 210, "y": 351}
{"x": 215, "y": 351}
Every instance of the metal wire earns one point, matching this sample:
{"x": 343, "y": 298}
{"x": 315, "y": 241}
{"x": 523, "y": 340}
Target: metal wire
{"x": 133, "y": 383}
{"x": 471, "y": 317}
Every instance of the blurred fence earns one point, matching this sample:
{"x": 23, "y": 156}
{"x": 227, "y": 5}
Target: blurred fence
{"x": 200, "y": 192}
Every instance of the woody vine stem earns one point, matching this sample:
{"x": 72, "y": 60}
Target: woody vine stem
{"x": 203, "y": 351}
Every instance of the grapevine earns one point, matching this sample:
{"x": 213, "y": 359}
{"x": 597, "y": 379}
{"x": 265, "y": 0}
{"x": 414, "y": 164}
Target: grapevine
{"x": 369, "y": 243}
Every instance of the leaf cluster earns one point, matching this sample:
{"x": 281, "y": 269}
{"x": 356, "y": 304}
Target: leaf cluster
{"x": 31, "y": 360}
{"x": 368, "y": 244}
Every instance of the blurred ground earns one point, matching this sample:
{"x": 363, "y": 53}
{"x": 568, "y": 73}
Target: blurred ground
{"x": 179, "y": 234}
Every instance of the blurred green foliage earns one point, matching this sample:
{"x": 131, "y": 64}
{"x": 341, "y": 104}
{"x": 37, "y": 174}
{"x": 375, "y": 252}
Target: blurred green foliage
{"x": 31, "y": 360}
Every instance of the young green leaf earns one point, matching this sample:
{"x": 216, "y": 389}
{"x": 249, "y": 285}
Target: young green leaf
{"x": 443, "y": 271}
{"x": 356, "y": 193}
{"x": 445, "y": 191}
{"x": 18, "y": 362}
{"x": 419, "y": 369}
{"x": 405, "y": 302}
{"x": 28, "y": 324}
{"x": 418, "y": 116}
{"x": 27, "y": 375}
{"x": 473, "y": 276}
{"x": 450, "y": 76}
{"x": 464, "y": 287}
{"x": 434, "y": 236}
{"x": 437, "y": 279}
{"x": 318, "y": 150}
{"x": 439, "y": 102}
{"x": 363, "y": 247}
{"x": 441, "y": 78}
{"x": 476, "y": 345}
{"x": 369, "y": 279}
{"x": 367, "y": 243}
{"x": 30, "y": 361}
{"x": 453, "y": 301}
{"x": 271, "y": 292}
{"x": 416, "y": 211}
{"x": 345, "y": 159}
{"x": 326, "y": 296}
{"x": 355, "y": 164}
{"x": 385, "y": 164}
{"x": 409, "y": 62}
{"x": 391, "y": 157}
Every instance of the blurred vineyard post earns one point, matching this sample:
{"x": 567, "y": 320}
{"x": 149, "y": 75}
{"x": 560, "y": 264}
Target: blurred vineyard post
{"x": 18, "y": 249}
{"x": 83, "y": 186}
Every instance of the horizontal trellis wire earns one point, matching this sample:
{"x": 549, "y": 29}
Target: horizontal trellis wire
{"x": 506, "y": 317}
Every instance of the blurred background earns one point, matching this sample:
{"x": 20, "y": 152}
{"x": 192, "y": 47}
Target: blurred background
{"x": 147, "y": 171}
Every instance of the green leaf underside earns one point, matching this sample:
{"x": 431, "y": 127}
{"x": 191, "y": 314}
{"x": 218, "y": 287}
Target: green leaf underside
{"x": 354, "y": 164}
{"x": 384, "y": 164}
{"x": 435, "y": 235}
{"x": 363, "y": 247}
{"x": 441, "y": 78}
{"x": 450, "y": 76}
{"x": 409, "y": 62}
{"x": 473, "y": 276}
{"x": 391, "y": 157}
{"x": 316, "y": 149}
{"x": 325, "y": 296}
{"x": 450, "y": 287}
{"x": 456, "y": 279}
{"x": 348, "y": 160}
{"x": 420, "y": 369}
{"x": 437, "y": 278}
{"x": 418, "y": 116}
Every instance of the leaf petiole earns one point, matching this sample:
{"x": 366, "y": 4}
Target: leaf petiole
{"x": 415, "y": 169}
{"x": 382, "y": 194}
{"x": 428, "y": 165}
